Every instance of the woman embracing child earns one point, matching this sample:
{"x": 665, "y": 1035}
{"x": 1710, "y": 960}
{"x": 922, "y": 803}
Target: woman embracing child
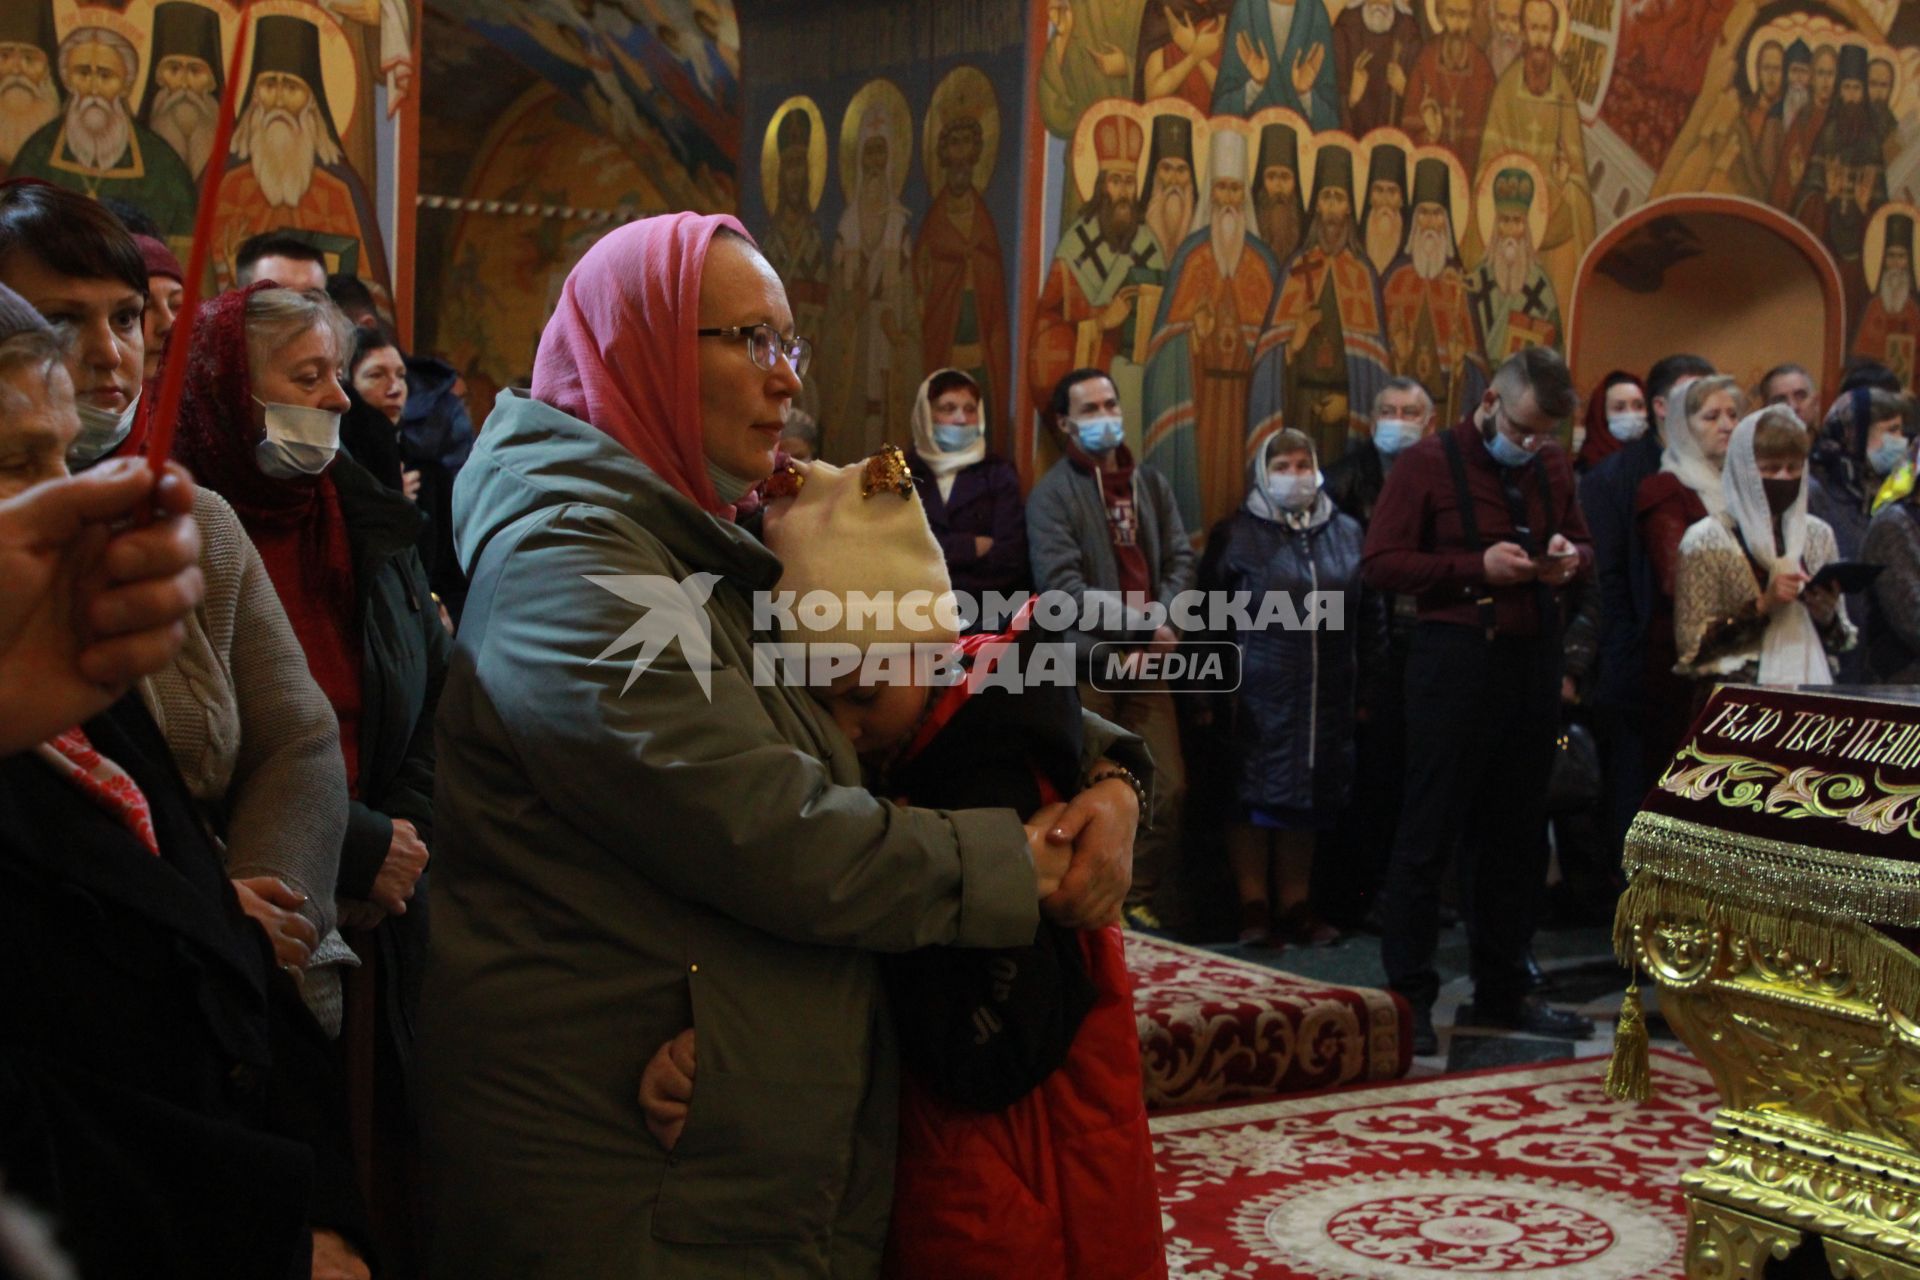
{"x": 1023, "y": 1130}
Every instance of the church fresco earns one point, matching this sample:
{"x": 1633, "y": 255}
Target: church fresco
{"x": 1479, "y": 148}
{"x": 120, "y": 100}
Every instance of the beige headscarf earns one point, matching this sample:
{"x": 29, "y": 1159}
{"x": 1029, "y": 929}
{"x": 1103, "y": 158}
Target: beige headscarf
{"x": 945, "y": 466}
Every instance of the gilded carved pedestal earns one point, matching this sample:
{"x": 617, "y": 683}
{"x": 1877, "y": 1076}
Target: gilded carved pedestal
{"x": 1804, "y": 1014}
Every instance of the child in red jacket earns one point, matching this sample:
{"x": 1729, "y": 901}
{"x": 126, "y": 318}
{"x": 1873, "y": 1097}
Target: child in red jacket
{"x": 1023, "y": 1136}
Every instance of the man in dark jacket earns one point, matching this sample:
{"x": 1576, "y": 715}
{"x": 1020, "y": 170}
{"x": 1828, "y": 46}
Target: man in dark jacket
{"x": 1480, "y": 524}
{"x": 1099, "y": 522}
{"x": 1402, "y": 414}
{"x": 1626, "y": 585}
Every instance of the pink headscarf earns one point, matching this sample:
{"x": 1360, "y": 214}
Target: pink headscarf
{"x": 620, "y": 351}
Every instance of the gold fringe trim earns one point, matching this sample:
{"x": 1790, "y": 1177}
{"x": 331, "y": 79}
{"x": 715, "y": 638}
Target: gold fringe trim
{"x": 1772, "y": 875}
{"x": 1628, "y": 1077}
{"x": 1881, "y": 969}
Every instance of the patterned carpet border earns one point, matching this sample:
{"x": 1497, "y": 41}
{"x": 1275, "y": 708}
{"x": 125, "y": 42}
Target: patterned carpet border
{"x": 1526, "y": 1170}
{"x": 1217, "y": 1029}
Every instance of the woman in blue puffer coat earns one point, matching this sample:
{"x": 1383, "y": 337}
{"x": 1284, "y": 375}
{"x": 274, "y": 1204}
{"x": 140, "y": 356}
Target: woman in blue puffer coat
{"x": 1290, "y": 724}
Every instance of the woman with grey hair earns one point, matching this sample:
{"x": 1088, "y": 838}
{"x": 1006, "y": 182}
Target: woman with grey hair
{"x": 260, "y": 424}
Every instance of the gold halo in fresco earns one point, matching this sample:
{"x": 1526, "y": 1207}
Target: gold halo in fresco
{"x": 1483, "y": 195}
{"x": 876, "y": 96}
{"x": 1086, "y": 163}
{"x": 336, "y": 58}
{"x": 1876, "y": 247}
{"x": 816, "y": 153}
{"x": 134, "y": 24}
{"x": 964, "y": 92}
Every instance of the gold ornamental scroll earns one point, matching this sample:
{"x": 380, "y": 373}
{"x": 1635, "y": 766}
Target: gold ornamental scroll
{"x": 1773, "y": 898}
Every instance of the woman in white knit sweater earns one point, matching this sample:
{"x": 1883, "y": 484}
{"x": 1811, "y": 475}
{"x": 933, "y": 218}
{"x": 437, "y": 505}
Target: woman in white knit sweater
{"x": 253, "y": 736}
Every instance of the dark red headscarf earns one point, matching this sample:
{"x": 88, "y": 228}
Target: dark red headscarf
{"x": 296, "y": 524}
{"x": 1600, "y": 442}
{"x": 620, "y": 351}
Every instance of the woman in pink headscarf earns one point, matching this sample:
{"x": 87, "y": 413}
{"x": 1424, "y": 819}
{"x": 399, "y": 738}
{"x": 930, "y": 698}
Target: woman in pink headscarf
{"x": 637, "y": 835}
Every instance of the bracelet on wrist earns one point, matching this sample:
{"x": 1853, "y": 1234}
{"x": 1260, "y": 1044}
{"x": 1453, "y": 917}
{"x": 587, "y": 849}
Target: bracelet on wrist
{"x": 1107, "y": 772}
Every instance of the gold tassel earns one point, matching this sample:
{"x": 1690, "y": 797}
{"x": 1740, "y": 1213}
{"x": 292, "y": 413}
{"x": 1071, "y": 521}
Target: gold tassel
{"x": 1628, "y": 1074}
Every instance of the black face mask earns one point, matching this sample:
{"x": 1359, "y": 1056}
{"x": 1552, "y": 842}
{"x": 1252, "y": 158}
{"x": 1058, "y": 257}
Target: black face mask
{"x": 1782, "y": 494}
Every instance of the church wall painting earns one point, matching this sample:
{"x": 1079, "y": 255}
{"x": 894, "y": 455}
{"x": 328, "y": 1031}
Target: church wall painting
{"x": 127, "y": 96}
{"x": 659, "y": 71}
{"x": 545, "y": 185}
{"x": 1544, "y": 122}
{"x": 890, "y": 200}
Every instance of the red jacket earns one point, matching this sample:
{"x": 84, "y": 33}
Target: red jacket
{"x": 1059, "y": 1186}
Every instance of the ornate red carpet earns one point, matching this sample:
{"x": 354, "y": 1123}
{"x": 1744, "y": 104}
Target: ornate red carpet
{"x": 1215, "y": 1029}
{"x": 1522, "y": 1171}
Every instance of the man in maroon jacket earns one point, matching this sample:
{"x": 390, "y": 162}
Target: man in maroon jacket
{"x": 1479, "y": 524}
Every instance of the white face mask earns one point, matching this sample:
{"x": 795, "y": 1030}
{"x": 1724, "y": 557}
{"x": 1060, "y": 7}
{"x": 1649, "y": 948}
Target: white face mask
{"x": 300, "y": 441}
{"x": 101, "y": 432}
{"x": 1626, "y": 427}
{"x": 1293, "y": 492}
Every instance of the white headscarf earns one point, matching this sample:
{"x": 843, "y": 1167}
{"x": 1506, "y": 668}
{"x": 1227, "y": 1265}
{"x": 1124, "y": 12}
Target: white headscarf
{"x": 1791, "y": 652}
{"x": 1260, "y": 502}
{"x": 945, "y": 466}
{"x": 1683, "y": 455}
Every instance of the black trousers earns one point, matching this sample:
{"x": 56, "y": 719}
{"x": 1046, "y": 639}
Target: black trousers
{"x": 1482, "y": 719}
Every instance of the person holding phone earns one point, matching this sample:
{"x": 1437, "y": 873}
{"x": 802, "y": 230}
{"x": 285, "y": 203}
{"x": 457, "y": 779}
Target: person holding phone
{"x": 1480, "y": 525}
{"x": 1747, "y": 607}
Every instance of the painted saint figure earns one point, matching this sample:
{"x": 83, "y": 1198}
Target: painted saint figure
{"x": 1430, "y": 323}
{"x": 1890, "y": 324}
{"x": 182, "y": 98}
{"x": 96, "y": 145}
{"x": 1384, "y": 219}
{"x": 1534, "y": 111}
{"x": 793, "y": 246}
{"x": 1513, "y": 299}
{"x": 1375, "y": 43}
{"x": 1278, "y": 55}
{"x": 1220, "y": 288}
{"x": 1325, "y": 353}
{"x": 1846, "y": 182}
{"x": 1169, "y": 194}
{"x": 872, "y": 337}
{"x": 957, "y": 261}
{"x": 29, "y": 95}
{"x": 1180, "y": 46}
{"x": 1450, "y": 88}
{"x": 286, "y": 169}
{"x": 1279, "y": 203}
{"x": 1800, "y": 133}
{"x": 1088, "y": 308}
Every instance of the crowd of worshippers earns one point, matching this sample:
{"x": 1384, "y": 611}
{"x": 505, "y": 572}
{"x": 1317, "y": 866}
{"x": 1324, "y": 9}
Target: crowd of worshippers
{"x": 221, "y": 686}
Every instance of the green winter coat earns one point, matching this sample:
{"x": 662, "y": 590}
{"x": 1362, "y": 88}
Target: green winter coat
{"x": 622, "y": 856}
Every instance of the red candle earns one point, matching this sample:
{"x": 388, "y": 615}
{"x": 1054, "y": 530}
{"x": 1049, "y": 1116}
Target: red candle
{"x": 173, "y": 375}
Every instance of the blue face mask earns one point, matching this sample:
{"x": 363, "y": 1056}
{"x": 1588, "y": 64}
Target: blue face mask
{"x": 1888, "y": 454}
{"x": 953, "y": 437}
{"x": 1391, "y": 435}
{"x": 1100, "y": 435}
{"x": 1505, "y": 451}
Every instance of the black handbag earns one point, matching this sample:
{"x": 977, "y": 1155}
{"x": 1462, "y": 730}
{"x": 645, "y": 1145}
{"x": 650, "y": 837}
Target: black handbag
{"x": 1575, "y": 783}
